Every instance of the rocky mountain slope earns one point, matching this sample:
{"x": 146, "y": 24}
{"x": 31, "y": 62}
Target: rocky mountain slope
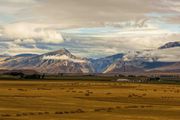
{"x": 61, "y": 61}
{"x": 123, "y": 66}
{"x": 101, "y": 64}
{"x": 136, "y": 66}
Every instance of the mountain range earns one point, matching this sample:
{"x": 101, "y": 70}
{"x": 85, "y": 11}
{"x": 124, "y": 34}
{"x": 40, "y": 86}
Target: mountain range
{"x": 62, "y": 61}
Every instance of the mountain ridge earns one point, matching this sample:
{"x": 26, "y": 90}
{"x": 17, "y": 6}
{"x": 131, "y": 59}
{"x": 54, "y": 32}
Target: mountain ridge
{"x": 62, "y": 61}
{"x": 170, "y": 45}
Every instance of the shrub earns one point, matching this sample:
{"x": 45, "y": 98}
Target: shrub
{"x": 87, "y": 94}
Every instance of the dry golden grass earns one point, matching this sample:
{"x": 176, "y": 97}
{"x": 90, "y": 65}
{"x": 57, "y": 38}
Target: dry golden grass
{"x": 85, "y": 100}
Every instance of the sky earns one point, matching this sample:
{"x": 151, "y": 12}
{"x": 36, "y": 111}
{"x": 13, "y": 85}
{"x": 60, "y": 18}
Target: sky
{"x": 90, "y": 28}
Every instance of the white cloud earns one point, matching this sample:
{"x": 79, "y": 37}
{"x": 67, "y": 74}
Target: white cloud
{"x": 15, "y": 49}
{"x": 143, "y": 36}
{"x": 171, "y": 54}
{"x": 19, "y": 1}
{"x": 139, "y": 35}
{"x": 12, "y": 8}
{"x": 173, "y": 5}
{"x": 30, "y": 32}
{"x": 28, "y": 37}
{"x": 125, "y": 25}
{"x": 164, "y": 55}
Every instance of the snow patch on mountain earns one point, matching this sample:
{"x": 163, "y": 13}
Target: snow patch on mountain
{"x": 63, "y": 57}
{"x": 110, "y": 68}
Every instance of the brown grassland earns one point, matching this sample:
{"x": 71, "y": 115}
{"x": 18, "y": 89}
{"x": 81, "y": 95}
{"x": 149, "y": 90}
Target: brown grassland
{"x": 88, "y": 100}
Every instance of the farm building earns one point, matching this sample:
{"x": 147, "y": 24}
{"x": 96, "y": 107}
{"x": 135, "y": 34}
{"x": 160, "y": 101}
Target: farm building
{"x": 123, "y": 80}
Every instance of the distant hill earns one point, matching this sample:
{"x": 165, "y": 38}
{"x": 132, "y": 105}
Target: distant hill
{"x": 135, "y": 66}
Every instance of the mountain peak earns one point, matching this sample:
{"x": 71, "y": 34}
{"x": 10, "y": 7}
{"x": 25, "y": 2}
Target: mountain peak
{"x": 60, "y": 52}
{"x": 64, "y": 50}
{"x": 170, "y": 45}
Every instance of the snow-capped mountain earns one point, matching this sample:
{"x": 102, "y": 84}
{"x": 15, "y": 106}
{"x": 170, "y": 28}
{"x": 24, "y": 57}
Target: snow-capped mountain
{"x": 170, "y": 45}
{"x": 62, "y": 55}
{"x": 137, "y": 61}
{"x": 61, "y": 61}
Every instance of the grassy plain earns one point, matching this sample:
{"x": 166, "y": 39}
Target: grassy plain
{"x": 87, "y": 100}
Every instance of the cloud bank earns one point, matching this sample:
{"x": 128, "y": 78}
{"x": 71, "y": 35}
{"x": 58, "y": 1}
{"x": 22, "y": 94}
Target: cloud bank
{"x": 26, "y": 36}
{"x": 94, "y": 28}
